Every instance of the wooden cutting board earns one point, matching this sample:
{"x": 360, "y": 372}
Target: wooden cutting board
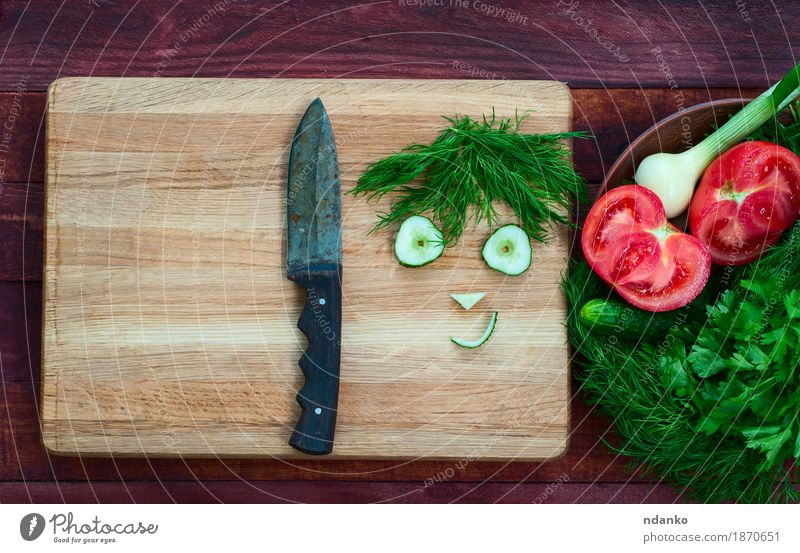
{"x": 169, "y": 324}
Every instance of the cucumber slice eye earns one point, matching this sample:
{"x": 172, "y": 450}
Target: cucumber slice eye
{"x": 480, "y": 341}
{"x": 418, "y": 242}
{"x": 508, "y": 250}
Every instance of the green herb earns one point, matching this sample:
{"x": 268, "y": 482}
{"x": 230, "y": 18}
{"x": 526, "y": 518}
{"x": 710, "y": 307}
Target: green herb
{"x": 712, "y": 406}
{"x": 471, "y": 165}
{"x": 787, "y": 134}
{"x": 644, "y": 386}
{"x": 743, "y": 368}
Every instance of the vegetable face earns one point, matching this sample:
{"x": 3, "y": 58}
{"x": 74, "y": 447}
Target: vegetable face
{"x": 629, "y": 243}
{"x": 748, "y": 196}
{"x": 673, "y": 176}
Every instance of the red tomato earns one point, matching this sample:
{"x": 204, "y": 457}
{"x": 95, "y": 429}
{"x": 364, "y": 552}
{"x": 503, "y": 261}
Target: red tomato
{"x": 629, "y": 243}
{"x": 747, "y": 197}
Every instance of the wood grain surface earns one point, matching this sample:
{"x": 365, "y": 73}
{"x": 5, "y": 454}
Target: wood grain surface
{"x": 336, "y": 492}
{"x": 711, "y": 50}
{"x": 588, "y": 43}
{"x": 614, "y": 116}
{"x": 25, "y": 459}
{"x": 170, "y": 327}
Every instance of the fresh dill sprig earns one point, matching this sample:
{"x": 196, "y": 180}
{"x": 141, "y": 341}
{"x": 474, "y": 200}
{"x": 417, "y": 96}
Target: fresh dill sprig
{"x": 473, "y": 164}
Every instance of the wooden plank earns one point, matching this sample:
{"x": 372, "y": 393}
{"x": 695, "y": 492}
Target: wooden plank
{"x": 606, "y": 108}
{"x": 21, "y": 215}
{"x": 21, "y": 135}
{"x": 613, "y": 116}
{"x": 26, "y": 459}
{"x": 22, "y": 145}
{"x": 588, "y": 43}
{"x": 333, "y": 492}
{"x": 170, "y": 327}
{"x": 22, "y": 457}
{"x": 20, "y": 341}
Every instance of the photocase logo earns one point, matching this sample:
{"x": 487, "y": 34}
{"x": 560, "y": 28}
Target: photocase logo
{"x": 31, "y": 526}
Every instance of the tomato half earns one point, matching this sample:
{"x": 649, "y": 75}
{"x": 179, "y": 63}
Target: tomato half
{"x": 747, "y": 197}
{"x": 628, "y": 241}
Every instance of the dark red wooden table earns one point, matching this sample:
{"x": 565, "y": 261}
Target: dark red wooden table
{"x": 629, "y": 63}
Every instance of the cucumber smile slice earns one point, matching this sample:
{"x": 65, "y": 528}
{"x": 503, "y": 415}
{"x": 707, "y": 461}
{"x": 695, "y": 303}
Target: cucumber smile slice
{"x": 468, "y": 301}
{"x": 508, "y": 250}
{"x": 418, "y": 242}
{"x": 480, "y": 341}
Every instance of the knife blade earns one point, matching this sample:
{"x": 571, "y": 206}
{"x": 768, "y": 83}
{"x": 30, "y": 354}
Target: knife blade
{"x": 314, "y": 260}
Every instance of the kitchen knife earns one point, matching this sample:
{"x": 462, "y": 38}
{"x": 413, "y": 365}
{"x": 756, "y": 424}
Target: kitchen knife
{"x": 314, "y": 260}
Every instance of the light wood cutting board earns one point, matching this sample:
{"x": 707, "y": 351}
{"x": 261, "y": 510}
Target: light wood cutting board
{"x": 169, "y": 324}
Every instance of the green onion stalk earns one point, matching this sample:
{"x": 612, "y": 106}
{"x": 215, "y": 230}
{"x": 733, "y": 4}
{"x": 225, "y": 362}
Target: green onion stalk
{"x": 673, "y": 176}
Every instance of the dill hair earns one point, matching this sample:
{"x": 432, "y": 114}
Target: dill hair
{"x": 469, "y": 167}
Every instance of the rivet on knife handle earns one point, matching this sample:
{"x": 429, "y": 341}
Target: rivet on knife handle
{"x": 321, "y": 322}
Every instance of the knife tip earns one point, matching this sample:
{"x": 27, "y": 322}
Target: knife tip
{"x": 318, "y": 109}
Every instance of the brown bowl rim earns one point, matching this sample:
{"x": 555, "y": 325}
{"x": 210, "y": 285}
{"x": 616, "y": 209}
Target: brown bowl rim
{"x": 722, "y": 102}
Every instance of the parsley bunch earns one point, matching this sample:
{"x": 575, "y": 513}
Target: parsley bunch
{"x": 741, "y": 373}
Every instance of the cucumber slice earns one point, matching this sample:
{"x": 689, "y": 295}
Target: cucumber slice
{"x": 468, "y": 301}
{"x": 418, "y": 242}
{"x": 480, "y": 341}
{"x": 508, "y": 250}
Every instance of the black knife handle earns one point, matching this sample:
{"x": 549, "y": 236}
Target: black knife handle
{"x": 321, "y": 322}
